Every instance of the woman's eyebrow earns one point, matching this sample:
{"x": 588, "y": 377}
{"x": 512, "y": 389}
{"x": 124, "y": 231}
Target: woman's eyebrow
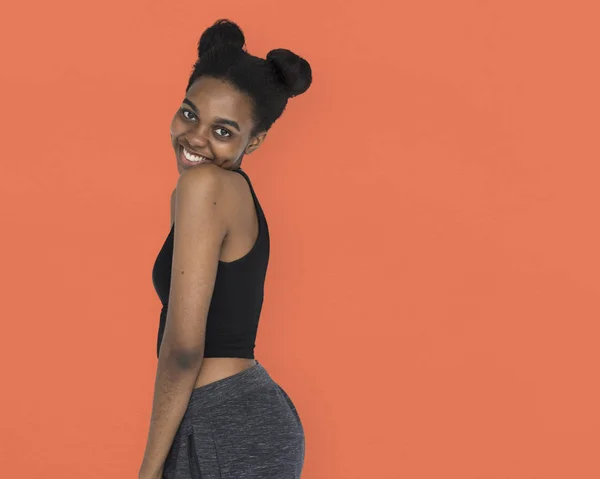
{"x": 232, "y": 123}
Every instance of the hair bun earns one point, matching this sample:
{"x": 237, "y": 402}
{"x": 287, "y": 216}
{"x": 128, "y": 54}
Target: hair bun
{"x": 293, "y": 71}
{"x": 222, "y": 32}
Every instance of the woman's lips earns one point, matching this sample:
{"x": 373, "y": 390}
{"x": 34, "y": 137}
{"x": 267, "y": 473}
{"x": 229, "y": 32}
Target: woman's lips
{"x": 190, "y": 162}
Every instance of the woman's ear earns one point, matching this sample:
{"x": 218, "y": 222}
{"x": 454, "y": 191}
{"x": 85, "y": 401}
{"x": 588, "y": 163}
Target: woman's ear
{"x": 256, "y": 142}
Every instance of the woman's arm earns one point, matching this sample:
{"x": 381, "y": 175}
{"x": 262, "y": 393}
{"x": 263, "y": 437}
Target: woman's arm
{"x": 201, "y": 228}
{"x": 175, "y": 379}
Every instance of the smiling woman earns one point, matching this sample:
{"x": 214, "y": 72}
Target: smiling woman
{"x": 217, "y": 412}
{"x": 215, "y": 123}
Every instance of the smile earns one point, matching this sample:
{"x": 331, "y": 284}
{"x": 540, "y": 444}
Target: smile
{"x": 192, "y": 157}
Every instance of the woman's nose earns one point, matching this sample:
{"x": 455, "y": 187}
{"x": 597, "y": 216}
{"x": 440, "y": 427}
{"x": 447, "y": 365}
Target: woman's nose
{"x": 197, "y": 139}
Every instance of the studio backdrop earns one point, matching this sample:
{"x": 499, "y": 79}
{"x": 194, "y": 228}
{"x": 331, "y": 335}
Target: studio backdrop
{"x": 432, "y": 302}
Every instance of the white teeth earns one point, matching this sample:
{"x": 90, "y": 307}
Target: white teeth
{"x": 191, "y": 157}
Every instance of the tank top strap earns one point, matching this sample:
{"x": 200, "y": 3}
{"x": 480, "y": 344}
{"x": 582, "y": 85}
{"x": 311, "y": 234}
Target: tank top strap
{"x": 245, "y": 175}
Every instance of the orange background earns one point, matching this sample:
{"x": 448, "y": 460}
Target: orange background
{"x": 432, "y": 303}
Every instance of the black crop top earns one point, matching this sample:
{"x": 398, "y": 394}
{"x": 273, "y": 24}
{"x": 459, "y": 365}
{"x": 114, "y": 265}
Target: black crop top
{"x": 235, "y": 307}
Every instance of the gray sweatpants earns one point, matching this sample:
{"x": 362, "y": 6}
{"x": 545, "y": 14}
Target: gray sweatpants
{"x": 244, "y": 426}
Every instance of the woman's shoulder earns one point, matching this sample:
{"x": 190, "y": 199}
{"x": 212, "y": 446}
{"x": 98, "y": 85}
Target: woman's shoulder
{"x": 232, "y": 186}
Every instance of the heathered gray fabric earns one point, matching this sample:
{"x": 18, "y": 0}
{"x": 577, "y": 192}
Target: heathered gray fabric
{"x": 244, "y": 426}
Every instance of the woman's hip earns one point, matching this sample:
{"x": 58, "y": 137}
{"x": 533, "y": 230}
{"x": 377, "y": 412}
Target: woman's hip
{"x": 244, "y": 422}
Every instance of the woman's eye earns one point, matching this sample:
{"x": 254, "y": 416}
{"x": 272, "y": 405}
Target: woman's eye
{"x": 183, "y": 112}
{"x": 227, "y": 133}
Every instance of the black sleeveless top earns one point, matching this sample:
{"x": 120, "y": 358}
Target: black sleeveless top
{"x": 235, "y": 307}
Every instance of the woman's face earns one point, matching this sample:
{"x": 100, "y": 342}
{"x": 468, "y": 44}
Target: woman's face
{"x": 214, "y": 122}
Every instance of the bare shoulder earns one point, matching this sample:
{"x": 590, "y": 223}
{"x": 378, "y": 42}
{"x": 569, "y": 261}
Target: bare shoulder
{"x": 207, "y": 178}
{"x": 207, "y": 173}
{"x": 211, "y": 176}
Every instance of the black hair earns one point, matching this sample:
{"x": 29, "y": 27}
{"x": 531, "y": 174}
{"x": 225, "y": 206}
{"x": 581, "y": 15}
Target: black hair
{"x": 269, "y": 82}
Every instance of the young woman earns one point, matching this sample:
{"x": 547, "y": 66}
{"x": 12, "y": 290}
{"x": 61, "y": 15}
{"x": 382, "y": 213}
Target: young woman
{"x": 217, "y": 413}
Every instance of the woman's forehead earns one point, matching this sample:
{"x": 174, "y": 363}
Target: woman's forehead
{"x": 214, "y": 96}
